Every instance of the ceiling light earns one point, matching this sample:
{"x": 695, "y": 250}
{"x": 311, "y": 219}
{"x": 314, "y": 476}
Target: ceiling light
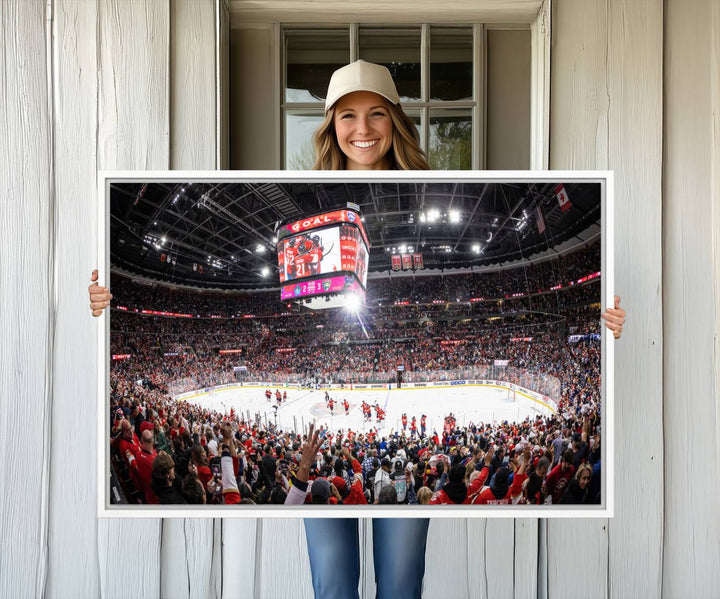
{"x": 260, "y": 249}
{"x": 476, "y": 248}
{"x": 265, "y": 271}
{"x": 454, "y": 216}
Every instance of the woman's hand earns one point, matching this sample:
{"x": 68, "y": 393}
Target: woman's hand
{"x": 99, "y": 296}
{"x": 615, "y": 318}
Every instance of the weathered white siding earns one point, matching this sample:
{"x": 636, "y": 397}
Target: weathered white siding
{"x": 691, "y": 327}
{"x": 113, "y": 84}
{"x": 606, "y": 113}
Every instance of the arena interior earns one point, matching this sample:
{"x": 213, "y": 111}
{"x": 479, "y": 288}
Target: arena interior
{"x": 470, "y": 374}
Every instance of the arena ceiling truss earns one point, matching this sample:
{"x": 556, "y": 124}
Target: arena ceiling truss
{"x": 221, "y": 235}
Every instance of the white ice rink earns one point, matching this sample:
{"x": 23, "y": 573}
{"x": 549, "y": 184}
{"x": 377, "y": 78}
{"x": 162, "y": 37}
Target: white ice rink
{"x": 468, "y": 403}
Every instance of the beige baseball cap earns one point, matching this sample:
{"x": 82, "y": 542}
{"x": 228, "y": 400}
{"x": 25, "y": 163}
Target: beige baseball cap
{"x": 361, "y": 76}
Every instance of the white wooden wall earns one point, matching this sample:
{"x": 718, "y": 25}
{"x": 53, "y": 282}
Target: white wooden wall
{"x": 117, "y": 84}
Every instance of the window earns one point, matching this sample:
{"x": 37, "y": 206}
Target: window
{"x": 436, "y": 69}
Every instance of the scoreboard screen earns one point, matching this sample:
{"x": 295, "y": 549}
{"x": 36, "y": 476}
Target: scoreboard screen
{"x": 323, "y": 254}
{"x": 339, "y": 246}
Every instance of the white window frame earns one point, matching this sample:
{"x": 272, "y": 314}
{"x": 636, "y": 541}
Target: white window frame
{"x": 536, "y": 17}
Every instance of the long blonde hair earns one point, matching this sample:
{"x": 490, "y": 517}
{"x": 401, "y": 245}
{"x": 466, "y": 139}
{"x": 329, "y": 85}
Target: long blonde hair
{"x": 405, "y": 154}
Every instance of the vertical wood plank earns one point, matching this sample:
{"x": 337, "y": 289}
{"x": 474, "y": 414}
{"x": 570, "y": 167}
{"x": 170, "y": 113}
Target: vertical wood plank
{"x": 501, "y": 562}
{"x": 132, "y": 134}
{"x": 606, "y": 112}
{"x": 190, "y": 567}
{"x": 526, "y": 547}
{"x": 27, "y": 314}
{"x": 193, "y": 85}
{"x": 133, "y": 127}
{"x": 635, "y": 90}
{"x": 578, "y": 134}
{"x": 499, "y": 543}
{"x": 187, "y": 556}
{"x": 447, "y": 558}
{"x": 692, "y": 321}
{"x": 289, "y": 576}
{"x": 73, "y": 569}
{"x": 239, "y": 558}
{"x": 578, "y": 140}
{"x": 222, "y": 16}
{"x": 540, "y": 89}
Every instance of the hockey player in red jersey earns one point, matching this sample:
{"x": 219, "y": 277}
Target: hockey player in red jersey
{"x": 316, "y": 252}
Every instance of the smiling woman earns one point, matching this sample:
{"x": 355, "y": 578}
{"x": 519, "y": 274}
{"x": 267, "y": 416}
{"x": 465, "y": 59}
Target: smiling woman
{"x": 365, "y": 128}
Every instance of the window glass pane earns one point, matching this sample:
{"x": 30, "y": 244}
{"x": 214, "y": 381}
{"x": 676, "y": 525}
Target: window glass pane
{"x": 398, "y": 50}
{"x": 415, "y": 117}
{"x": 451, "y": 55}
{"x": 311, "y": 58}
{"x": 299, "y": 150}
{"x": 450, "y": 139}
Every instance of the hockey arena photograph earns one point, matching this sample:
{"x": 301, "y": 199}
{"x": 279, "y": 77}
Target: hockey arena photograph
{"x": 329, "y": 345}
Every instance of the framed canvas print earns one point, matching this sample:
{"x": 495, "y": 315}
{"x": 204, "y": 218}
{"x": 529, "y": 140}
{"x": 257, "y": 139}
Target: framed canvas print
{"x": 334, "y": 344}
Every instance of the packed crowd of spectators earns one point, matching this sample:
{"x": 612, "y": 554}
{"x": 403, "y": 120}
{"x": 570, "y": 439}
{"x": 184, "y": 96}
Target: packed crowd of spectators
{"x": 537, "y": 280}
{"x": 176, "y": 452}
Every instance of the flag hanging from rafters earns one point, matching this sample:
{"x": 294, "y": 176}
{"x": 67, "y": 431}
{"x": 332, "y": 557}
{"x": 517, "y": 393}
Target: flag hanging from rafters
{"x": 539, "y": 220}
{"x": 418, "y": 261}
{"x": 396, "y": 261}
{"x": 562, "y": 197}
{"x": 407, "y": 262}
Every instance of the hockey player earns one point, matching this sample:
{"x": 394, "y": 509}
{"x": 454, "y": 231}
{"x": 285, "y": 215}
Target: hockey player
{"x": 284, "y": 396}
{"x": 316, "y": 254}
{"x": 422, "y": 426}
{"x": 268, "y": 394}
{"x": 331, "y": 405}
{"x": 327, "y": 397}
{"x": 278, "y": 396}
{"x": 291, "y": 252}
{"x": 303, "y": 260}
{"x": 380, "y": 415}
{"x": 346, "y": 405}
{"x": 404, "y": 421}
{"x": 413, "y": 428}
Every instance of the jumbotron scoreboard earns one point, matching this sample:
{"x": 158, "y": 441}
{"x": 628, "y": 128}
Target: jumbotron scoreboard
{"x": 323, "y": 259}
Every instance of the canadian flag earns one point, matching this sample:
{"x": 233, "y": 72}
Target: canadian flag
{"x": 562, "y": 197}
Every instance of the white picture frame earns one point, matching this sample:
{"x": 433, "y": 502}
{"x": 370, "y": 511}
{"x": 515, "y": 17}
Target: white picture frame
{"x": 604, "y": 510}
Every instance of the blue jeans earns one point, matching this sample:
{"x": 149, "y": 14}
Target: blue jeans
{"x": 398, "y": 553}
